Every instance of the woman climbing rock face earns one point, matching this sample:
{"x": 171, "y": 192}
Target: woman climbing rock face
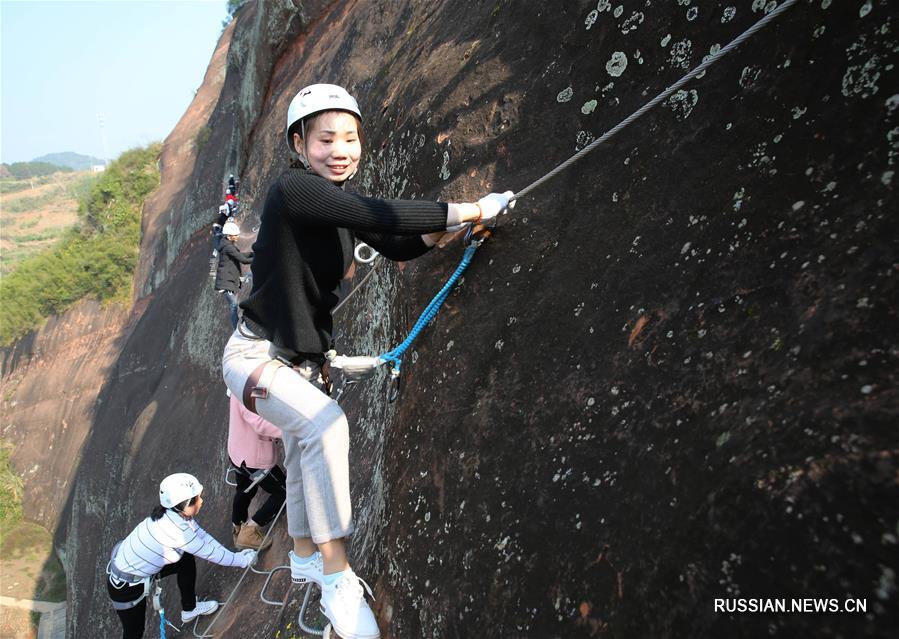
{"x": 165, "y": 543}
{"x": 273, "y": 360}
{"x": 228, "y": 274}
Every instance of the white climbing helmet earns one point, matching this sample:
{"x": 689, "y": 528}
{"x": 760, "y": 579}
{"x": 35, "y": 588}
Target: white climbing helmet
{"x": 230, "y": 228}
{"x": 177, "y": 488}
{"x": 317, "y": 98}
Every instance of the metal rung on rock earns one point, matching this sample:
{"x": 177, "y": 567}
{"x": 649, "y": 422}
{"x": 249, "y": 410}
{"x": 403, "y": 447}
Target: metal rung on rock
{"x": 300, "y": 617}
{"x": 228, "y": 471}
{"x": 265, "y": 585}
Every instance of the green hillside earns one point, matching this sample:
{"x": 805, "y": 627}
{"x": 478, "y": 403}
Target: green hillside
{"x": 95, "y": 258}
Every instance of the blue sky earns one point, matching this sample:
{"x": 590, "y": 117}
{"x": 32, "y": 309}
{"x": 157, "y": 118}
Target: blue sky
{"x": 136, "y": 62}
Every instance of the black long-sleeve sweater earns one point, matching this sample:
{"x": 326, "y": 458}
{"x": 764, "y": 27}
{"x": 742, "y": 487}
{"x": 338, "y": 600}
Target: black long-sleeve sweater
{"x": 305, "y": 248}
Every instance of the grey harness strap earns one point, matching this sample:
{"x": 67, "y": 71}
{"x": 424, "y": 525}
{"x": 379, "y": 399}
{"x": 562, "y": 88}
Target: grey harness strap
{"x": 125, "y": 579}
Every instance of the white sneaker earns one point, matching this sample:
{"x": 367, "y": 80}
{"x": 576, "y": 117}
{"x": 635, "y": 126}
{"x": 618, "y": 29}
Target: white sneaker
{"x": 302, "y": 573}
{"x": 345, "y": 607}
{"x": 202, "y": 608}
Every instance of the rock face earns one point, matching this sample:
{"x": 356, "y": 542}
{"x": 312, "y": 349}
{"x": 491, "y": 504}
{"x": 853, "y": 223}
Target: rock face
{"x": 669, "y": 379}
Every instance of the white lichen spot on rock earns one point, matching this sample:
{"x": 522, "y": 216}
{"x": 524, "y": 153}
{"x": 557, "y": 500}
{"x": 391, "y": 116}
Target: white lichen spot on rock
{"x": 582, "y": 139}
{"x": 728, "y": 15}
{"x": 618, "y": 11}
{"x": 891, "y": 103}
{"x": 866, "y": 389}
{"x": 887, "y": 178}
{"x": 865, "y": 9}
{"x": 692, "y": 12}
{"x": 817, "y": 33}
{"x": 682, "y": 103}
{"x": 616, "y": 64}
{"x": 591, "y": 18}
{"x": 798, "y": 112}
{"x": 634, "y": 21}
{"x": 588, "y": 107}
{"x": 664, "y": 42}
{"x": 565, "y": 95}
{"x": 603, "y": 5}
{"x": 685, "y": 248}
{"x": 680, "y": 54}
{"x": 749, "y": 75}
{"x": 444, "y": 170}
{"x": 861, "y": 79}
{"x": 893, "y": 141}
{"x": 590, "y": 401}
{"x": 758, "y": 5}
{"x": 798, "y": 205}
{"x": 499, "y": 345}
{"x": 825, "y": 4}
{"x": 516, "y": 269}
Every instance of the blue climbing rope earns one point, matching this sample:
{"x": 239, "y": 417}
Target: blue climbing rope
{"x": 395, "y": 356}
{"x": 162, "y": 624}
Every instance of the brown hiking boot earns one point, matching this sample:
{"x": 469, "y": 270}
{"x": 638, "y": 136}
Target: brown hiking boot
{"x": 235, "y": 531}
{"x": 251, "y": 537}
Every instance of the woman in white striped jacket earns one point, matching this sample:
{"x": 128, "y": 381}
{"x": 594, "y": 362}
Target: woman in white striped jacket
{"x": 165, "y": 543}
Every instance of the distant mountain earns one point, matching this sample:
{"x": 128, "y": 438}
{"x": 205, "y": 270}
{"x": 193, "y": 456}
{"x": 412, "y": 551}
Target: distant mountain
{"x": 72, "y": 160}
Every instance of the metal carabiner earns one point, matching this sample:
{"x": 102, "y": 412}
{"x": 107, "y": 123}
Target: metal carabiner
{"x": 361, "y": 248}
{"x": 393, "y": 386}
{"x": 157, "y": 598}
{"x": 478, "y": 233}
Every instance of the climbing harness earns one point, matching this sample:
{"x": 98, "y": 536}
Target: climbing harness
{"x": 362, "y": 367}
{"x": 258, "y": 382}
{"x": 121, "y": 579}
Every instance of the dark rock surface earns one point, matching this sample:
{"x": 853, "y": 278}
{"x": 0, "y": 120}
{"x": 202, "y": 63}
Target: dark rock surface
{"x": 670, "y": 378}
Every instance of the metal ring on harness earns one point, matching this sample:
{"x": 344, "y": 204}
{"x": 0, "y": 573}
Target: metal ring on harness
{"x": 258, "y": 382}
{"x": 361, "y": 248}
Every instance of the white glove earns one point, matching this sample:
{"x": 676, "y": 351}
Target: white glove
{"x": 249, "y": 557}
{"x": 495, "y": 203}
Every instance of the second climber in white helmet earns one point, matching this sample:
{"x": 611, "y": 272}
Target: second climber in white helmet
{"x": 165, "y": 543}
{"x": 228, "y": 275}
{"x": 303, "y": 259}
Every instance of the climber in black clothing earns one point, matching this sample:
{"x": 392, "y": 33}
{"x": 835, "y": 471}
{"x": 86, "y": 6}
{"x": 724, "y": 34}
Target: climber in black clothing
{"x": 304, "y": 254}
{"x": 228, "y": 276}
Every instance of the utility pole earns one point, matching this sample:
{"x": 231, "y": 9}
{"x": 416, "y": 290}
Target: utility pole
{"x": 103, "y": 140}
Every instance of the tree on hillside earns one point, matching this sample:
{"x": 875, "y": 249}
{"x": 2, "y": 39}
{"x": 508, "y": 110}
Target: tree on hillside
{"x": 25, "y": 170}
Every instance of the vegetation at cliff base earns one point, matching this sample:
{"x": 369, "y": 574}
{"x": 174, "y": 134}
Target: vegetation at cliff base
{"x": 95, "y": 258}
{"x": 10, "y": 490}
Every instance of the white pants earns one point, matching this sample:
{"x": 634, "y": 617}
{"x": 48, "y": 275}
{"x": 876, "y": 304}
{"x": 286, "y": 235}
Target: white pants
{"x": 316, "y": 438}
